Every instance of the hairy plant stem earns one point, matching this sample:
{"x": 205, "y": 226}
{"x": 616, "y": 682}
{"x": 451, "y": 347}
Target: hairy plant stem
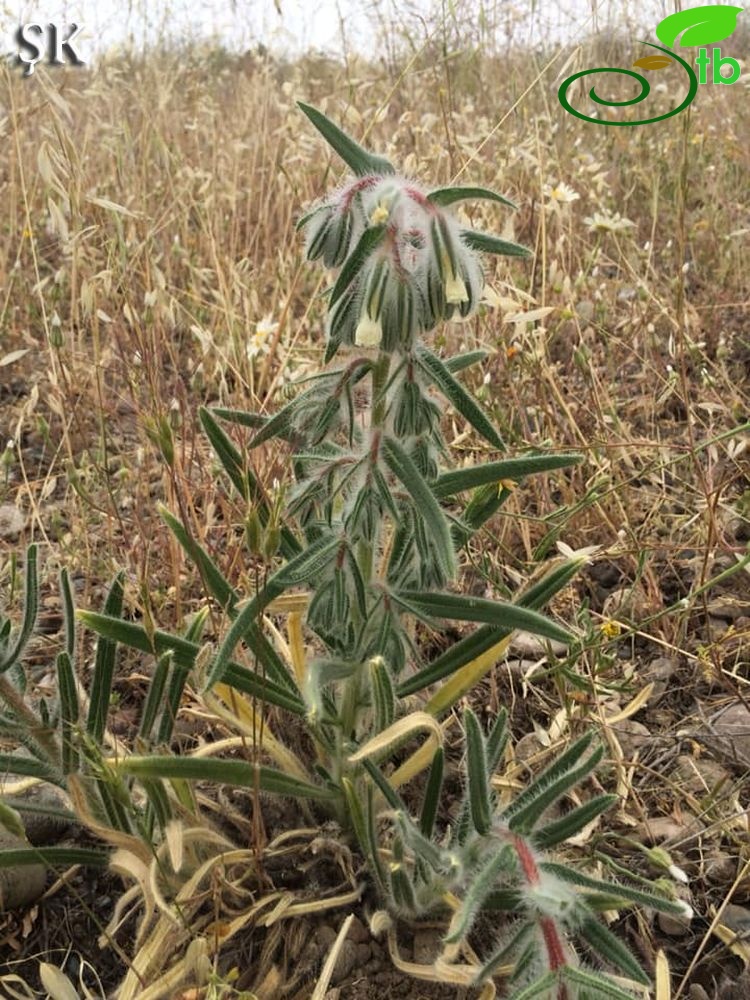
{"x": 366, "y": 550}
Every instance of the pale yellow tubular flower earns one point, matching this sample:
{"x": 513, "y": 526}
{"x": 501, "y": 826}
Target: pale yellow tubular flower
{"x": 379, "y": 215}
{"x": 369, "y": 332}
{"x": 455, "y": 291}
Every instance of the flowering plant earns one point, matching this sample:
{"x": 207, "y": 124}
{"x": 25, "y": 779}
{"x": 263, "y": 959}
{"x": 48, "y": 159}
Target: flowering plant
{"x": 364, "y": 544}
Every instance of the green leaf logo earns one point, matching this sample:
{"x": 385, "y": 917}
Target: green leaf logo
{"x": 699, "y": 25}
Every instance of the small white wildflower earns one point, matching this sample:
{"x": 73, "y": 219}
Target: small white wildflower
{"x": 602, "y": 222}
{"x": 583, "y": 555}
{"x": 258, "y": 342}
{"x": 369, "y": 332}
{"x": 560, "y": 194}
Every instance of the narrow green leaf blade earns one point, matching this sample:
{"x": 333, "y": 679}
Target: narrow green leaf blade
{"x": 493, "y": 244}
{"x": 278, "y": 687}
{"x": 358, "y": 159}
{"x": 478, "y": 609}
{"x": 69, "y": 617}
{"x": 455, "y": 393}
{"x": 104, "y": 665}
{"x": 571, "y": 823}
{"x": 431, "y": 799}
{"x": 30, "y": 608}
{"x": 369, "y": 241}
{"x": 62, "y": 857}
{"x": 425, "y": 504}
{"x": 611, "y": 948}
{"x": 303, "y": 568}
{"x": 480, "y": 796}
{"x": 594, "y": 984}
{"x": 450, "y": 483}
{"x": 222, "y": 771}
{"x": 214, "y": 579}
{"x": 614, "y": 890}
{"x": 465, "y": 360}
{"x": 243, "y": 480}
{"x": 524, "y": 819}
{"x": 450, "y": 195}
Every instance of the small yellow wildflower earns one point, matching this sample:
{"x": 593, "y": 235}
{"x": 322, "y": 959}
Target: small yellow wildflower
{"x": 610, "y": 629}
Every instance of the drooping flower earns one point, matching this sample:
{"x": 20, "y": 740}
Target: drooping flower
{"x": 369, "y": 331}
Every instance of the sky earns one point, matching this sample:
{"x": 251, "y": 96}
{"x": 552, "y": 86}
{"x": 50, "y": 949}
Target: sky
{"x": 296, "y": 25}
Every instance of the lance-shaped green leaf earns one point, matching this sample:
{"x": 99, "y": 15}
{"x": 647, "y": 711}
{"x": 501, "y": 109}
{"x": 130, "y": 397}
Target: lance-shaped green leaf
{"x": 278, "y": 688}
{"x": 280, "y": 424}
{"x": 560, "y": 768}
{"x": 481, "y": 885}
{"x": 423, "y": 847}
{"x": 611, "y": 948}
{"x": 369, "y": 241}
{"x": 425, "y": 503}
{"x": 387, "y": 790}
{"x": 485, "y": 502}
{"x": 61, "y": 817}
{"x": 308, "y": 565}
{"x": 244, "y": 480}
{"x": 593, "y": 984}
{"x": 524, "y": 820}
{"x": 572, "y": 823}
{"x": 225, "y": 772}
{"x": 383, "y": 696}
{"x": 497, "y": 740}
{"x": 214, "y": 579}
{"x": 540, "y": 989}
{"x": 478, "y": 609}
{"x": 472, "y": 646}
{"x": 30, "y": 609}
{"x": 704, "y": 25}
{"x": 506, "y": 952}
{"x": 455, "y": 393}
{"x": 493, "y": 244}
{"x": 29, "y": 767}
{"x": 68, "y": 693}
{"x": 614, "y": 891}
{"x": 477, "y": 773}
{"x": 465, "y": 360}
{"x": 358, "y": 159}
{"x": 450, "y": 195}
{"x": 69, "y": 617}
{"x": 402, "y": 890}
{"x": 104, "y": 665}
{"x": 431, "y": 800}
{"x": 242, "y": 417}
{"x": 155, "y": 694}
{"x": 64, "y": 857}
{"x": 457, "y": 480}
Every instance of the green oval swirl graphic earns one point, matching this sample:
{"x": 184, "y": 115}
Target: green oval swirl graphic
{"x": 562, "y": 93}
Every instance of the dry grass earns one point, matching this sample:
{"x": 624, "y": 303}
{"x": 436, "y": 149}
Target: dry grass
{"x": 148, "y": 264}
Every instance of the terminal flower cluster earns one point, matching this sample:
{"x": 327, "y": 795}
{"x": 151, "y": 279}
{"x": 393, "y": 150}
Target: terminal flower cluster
{"x": 418, "y": 272}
